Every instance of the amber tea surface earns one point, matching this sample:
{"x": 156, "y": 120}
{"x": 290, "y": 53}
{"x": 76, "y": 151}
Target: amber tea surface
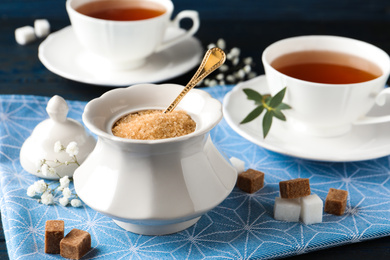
{"x": 326, "y": 67}
{"x": 122, "y": 10}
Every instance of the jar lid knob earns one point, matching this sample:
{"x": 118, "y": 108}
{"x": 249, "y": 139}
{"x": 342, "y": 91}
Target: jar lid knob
{"x": 57, "y": 108}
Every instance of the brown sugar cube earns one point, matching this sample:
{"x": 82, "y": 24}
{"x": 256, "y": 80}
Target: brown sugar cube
{"x": 54, "y": 232}
{"x": 294, "y": 188}
{"x": 250, "y": 181}
{"x": 75, "y": 244}
{"x": 336, "y": 201}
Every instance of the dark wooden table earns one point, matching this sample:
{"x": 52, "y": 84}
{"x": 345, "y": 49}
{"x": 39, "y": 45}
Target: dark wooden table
{"x": 21, "y": 72}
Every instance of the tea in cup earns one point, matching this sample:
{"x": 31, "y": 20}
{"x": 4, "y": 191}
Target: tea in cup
{"x": 125, "y": 32}
{"x": 332, "y": 82}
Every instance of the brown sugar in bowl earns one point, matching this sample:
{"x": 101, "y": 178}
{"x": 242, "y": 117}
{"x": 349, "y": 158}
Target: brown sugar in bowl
{"x": 154, "y": 124}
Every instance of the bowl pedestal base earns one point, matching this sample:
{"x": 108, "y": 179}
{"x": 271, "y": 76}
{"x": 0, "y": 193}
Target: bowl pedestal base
{"x": 156, "y": 230}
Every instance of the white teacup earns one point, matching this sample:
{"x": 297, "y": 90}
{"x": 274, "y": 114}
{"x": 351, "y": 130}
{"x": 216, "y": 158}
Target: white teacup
{"x": 127, "y": 44}
{"x": 328, "y": 109}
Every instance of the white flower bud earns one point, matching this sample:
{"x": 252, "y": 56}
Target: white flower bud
{"x": 66, "y": 192}
{"x": 248, "y": 60}
{"x": 240, "y": 74}
{"x": 52, "y": 171}
{"x": 223, "y": 68}
{"x": 235, "y": 52}
{"x": 220, "y": 76}
{"x": 47, "y": 198}
{"x": 221, "y": 44}
{"x": 252, "y": 75}
{"x": 45, "y": 169}
{"x": 64, "y": 201}
{"x": 210, "y": 46}
{"x": 40, "y": 186}
{"x": 247, "y": 69}
{"x": 31, "y": 191}
{"x": 235, "y": 61}
{"x": 57, "y": 147}
{"x": 206, "y": 82}
{"x": 229, "y": 56}
{"x": 40, "y": 162}
{"x": 213, "y": 83}
{"x": 75, "y": 203}
{"x": 230, "y": 78}
{"x": 72, "y": 149}
{"x": 64, "y": 182}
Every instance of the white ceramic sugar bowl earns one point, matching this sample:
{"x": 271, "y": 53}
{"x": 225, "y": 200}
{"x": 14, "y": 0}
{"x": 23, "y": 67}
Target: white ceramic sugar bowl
{"x": 153, "y": 187}
{"x": 40, "y": 145}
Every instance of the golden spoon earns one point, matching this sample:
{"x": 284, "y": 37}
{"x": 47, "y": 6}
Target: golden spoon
{"x": 212, "y": 60}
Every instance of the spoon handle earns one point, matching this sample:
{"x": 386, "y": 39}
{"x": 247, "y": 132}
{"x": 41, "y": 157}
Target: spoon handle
{"x": 212, "y": 60}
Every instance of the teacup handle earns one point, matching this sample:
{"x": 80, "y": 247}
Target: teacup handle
{"x": 194, "y": 16}
{"x": 379, "y": 100}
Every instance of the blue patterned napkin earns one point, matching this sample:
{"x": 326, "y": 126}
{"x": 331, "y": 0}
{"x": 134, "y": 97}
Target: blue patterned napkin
{"x": 241, "y": 227}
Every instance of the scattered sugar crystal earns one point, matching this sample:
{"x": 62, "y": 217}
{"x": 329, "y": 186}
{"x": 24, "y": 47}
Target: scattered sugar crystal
{"x": 41, "y": 27}
{"x": 238, "y": 164}
{"x": 25, "y": 35}
{"x": 311, "y": 209}
{"x": 287, "y": 209}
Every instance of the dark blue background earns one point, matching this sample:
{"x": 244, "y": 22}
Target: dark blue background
{"x": 262, "y": 10}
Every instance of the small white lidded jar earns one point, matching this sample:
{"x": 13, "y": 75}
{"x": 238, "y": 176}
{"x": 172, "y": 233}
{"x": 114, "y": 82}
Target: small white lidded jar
{"x": 41, "y": 144}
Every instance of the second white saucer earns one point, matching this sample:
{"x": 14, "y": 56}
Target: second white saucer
{"x": 363, "y": 142}
{"x": 62, "y": 54}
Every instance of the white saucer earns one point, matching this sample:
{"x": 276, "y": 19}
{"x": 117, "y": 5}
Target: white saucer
{"x": 362, "y": 143}
{"x": 62, "y": 54}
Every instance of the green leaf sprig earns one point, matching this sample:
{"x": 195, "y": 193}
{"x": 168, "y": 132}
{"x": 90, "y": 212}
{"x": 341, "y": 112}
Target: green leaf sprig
{"x": 273, "y": 106}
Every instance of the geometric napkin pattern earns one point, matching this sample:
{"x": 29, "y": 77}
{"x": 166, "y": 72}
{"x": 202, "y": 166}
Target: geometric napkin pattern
{"x": 241, "y": 227}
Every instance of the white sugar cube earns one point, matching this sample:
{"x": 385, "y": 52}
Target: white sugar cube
{"x": 24, "y": 35}
{"x": 287, "y": 209}
{"x": 311, "y": 209}
{"x": 42, "y": 28}
{"x": 238, "y": 164}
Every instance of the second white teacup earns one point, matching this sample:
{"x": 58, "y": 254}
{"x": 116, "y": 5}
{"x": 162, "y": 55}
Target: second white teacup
{"x": 323, "y": 108}
{"x": 125, "y": 44}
